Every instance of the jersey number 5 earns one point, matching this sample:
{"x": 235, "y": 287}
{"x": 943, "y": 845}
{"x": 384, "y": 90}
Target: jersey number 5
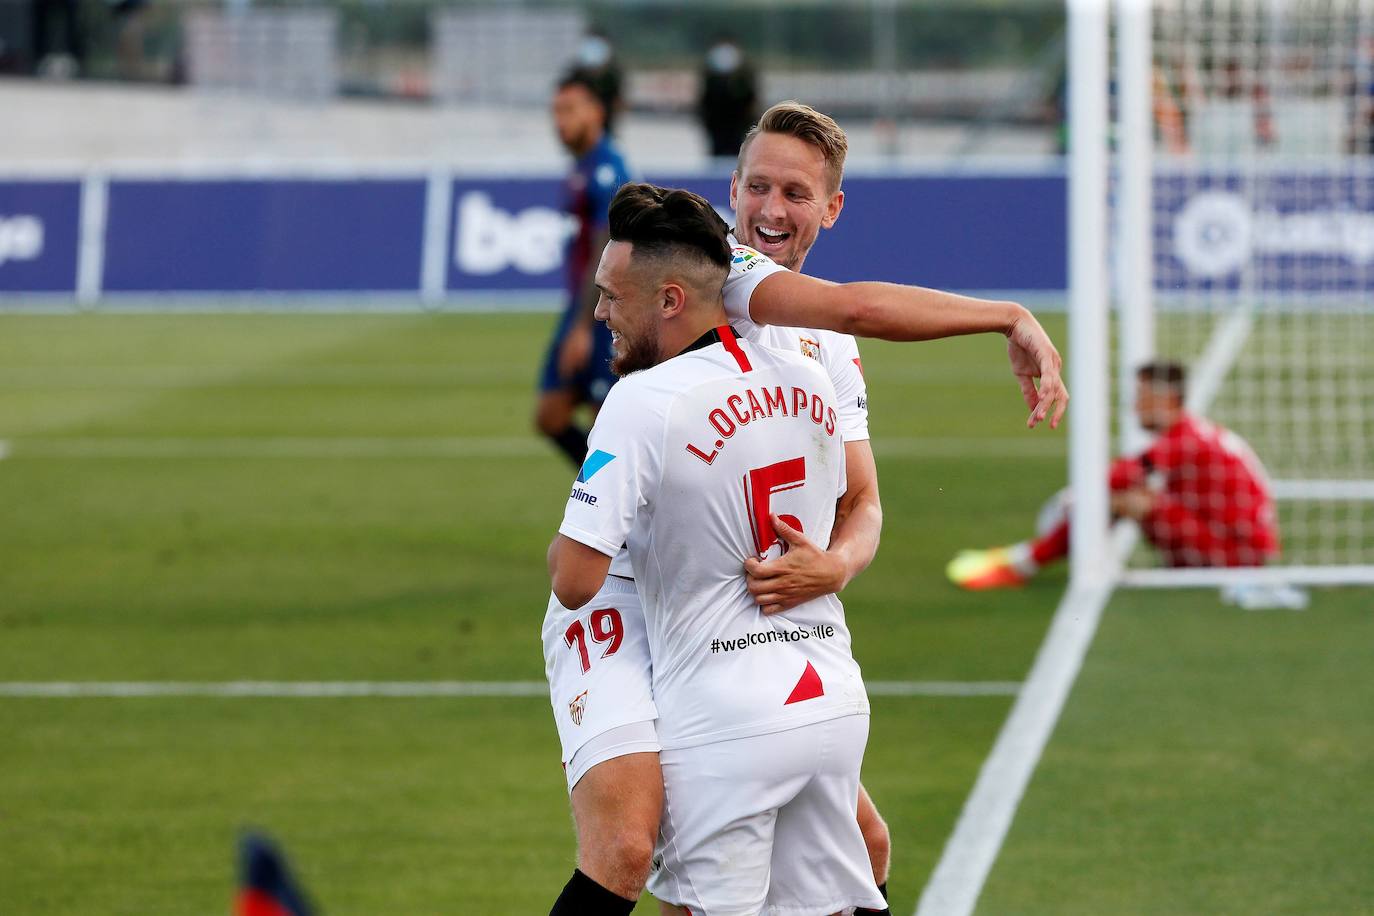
{"x": 759, "y": 486}
{"x": 605, "y": 625}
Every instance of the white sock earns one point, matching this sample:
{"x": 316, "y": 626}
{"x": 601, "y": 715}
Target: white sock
{"x": 1021, "y": 559}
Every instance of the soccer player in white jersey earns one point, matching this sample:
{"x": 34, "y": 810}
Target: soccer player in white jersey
{"x": 762, "y": 719}
{"x": 786, "y": 189}
{"x": 603, "y": 650}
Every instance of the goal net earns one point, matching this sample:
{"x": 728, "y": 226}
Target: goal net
{"x": 1248, "y": 256}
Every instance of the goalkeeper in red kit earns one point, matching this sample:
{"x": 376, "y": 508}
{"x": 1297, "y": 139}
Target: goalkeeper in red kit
{"x": 1199, "y": 493}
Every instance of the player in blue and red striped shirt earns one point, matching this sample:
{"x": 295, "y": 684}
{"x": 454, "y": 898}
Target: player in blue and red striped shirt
{"x": 577, "y": 366}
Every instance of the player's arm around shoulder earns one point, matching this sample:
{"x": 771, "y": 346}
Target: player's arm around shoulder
{"x": 889, "y": 311}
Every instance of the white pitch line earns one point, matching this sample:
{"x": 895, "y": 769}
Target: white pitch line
{"x": 257, "y": 375}
{"x": 284, "y": 447}
{"x": 1021, "y": 447}
{"x": 4, "y": 449}
{"x": 329, "y": 689}
{"x": 943, "y": 688}
{"x": 320, "y": 447}
{"x": 983, "y": 823}
{"x": 250, "y": 376}
{"x": 970, "y": 852}
{"x": 322, "y": 689}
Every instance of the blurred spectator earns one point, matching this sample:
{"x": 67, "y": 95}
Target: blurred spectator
{"x": 68, "y": 60}
{"x": 1361, "y": 92}
{"x": 1168, "y": 114}
{"x": 1239, "y": 82}
{"x": 129, "y": 18}
{"x": 728, "y": 106}
{"x": 597, "y": 65}
{"x": 1058, "y": 106}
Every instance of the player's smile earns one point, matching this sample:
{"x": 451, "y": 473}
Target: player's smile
{"x": 770, "y": 240}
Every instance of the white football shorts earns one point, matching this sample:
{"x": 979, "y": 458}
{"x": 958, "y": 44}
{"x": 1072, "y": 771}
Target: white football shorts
{"x": 600, "y": 678}
{"x": 766, "y": 824}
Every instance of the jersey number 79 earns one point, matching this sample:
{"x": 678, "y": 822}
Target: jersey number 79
{"x": 605, "y": 626}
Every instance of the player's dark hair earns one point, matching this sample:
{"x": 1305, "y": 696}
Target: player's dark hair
{"x": 668, "y": 221}
{"x": 1167, "y": 373}
{"x": 580, "y": 77}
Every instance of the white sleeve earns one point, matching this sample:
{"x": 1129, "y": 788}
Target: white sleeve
{"x": 619, "y": 474}
{"x": 824, "y": 381}
{"x": 747, "y": 270}
{"x": 840, "y": 356}
{"x": 843, "y": 465}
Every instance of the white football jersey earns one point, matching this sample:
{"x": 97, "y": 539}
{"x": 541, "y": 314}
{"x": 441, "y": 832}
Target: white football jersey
{"x": 687, "y": 461}
{"x": 838, "y": 353}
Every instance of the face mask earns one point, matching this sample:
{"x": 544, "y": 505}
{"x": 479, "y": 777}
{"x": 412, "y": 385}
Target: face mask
{"x": 723, "y": 58}
{"x": 594, "y": 52}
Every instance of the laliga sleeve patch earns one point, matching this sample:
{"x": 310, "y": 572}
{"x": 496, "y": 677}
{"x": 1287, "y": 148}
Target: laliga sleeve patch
{"x": 743, "y": 258}
{"x": 595, "y": 462}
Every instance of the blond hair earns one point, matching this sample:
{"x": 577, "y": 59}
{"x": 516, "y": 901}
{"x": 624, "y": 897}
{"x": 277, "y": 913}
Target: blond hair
{"x": 794, "y": 119}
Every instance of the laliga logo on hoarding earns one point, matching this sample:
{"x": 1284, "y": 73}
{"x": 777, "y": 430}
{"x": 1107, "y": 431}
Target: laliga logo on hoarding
{"x": 21, "y": 238}
{"x": 490, "y": 240}
{"x": 1217, "y": 233}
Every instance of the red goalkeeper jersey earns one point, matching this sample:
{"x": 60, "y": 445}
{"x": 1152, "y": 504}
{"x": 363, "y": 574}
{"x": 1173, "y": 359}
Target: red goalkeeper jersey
{"x": 1215, "y": 508}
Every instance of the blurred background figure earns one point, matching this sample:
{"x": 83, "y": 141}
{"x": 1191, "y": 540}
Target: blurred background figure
{"x": 1361, "y": 92}
{"x": 129, "y": 18}
{"x": 60, "y": 60}
{"x": 577, "y": 366}
{"x": 728, "y": 105}
{"x": 597, "y": 64}
{"x": 266, "y": 884}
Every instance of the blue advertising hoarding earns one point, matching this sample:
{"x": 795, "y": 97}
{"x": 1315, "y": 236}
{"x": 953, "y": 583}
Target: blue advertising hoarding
{"x": 39, "y": 231}
{"x": 995, "y": 232}
{"x": 1290, "y": 233}
{"x": 1005, "y": 232}
{"x": 354, "y": 235}
{"x": 507, "y": 234}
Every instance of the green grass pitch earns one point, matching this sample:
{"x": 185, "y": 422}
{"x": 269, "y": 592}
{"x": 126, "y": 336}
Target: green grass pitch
{"x": 358, "y": 497}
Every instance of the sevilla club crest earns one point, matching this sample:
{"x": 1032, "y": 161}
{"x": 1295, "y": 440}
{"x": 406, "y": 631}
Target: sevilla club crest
{"x": 578, "y": 707}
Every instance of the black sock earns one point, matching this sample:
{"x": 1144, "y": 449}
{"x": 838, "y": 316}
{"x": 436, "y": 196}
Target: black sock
{"x": 573, "y": 442}
{"x": 584, "y": 897}
{"x": 882, "y": 889}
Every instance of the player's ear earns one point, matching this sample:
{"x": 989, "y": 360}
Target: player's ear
{"x": 672, "y": 300}
{"x": 734, "y": 190}
{"x": 832, "y": 209}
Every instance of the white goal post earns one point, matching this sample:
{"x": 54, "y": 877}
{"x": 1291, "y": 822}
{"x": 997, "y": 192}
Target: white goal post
{"x": 1236, "y": 221}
